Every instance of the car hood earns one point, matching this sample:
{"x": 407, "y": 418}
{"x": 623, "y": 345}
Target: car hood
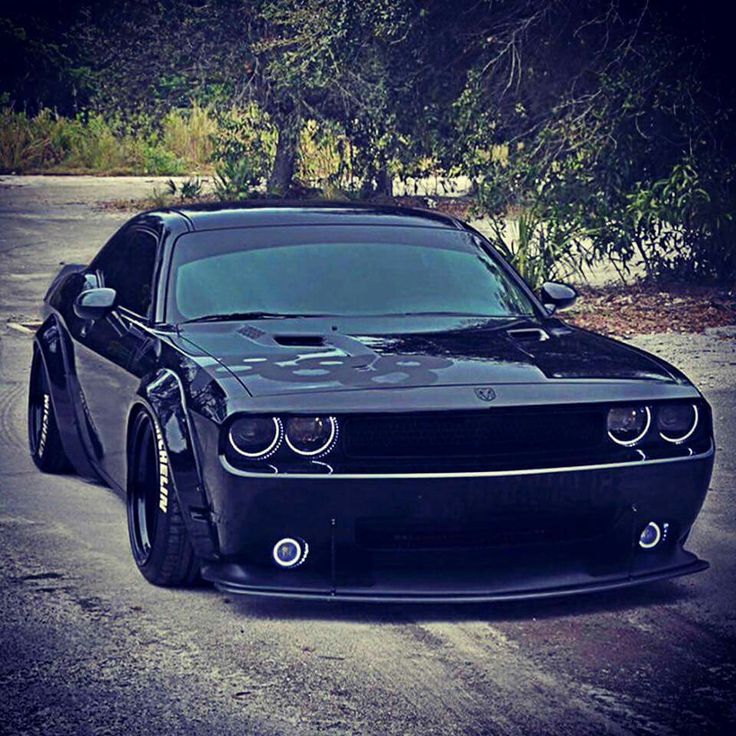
{"x": 272, "y": 357}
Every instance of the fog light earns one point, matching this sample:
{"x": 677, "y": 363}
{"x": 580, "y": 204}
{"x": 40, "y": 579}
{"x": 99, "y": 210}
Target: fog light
{"x": 290, "y": 552}
{"x": 650, "y": 536}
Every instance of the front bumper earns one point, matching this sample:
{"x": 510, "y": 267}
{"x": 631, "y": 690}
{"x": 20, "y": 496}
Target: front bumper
{"x": 459, "y": 537}
{"x": 237, "y": 579}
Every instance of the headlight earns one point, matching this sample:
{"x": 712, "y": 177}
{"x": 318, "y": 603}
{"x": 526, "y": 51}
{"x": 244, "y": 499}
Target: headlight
{"x": 311, "y": 435}
{"x": 627, "y": 425}
{"x": 256, "y": 437}
{"x": 677, "y": 422}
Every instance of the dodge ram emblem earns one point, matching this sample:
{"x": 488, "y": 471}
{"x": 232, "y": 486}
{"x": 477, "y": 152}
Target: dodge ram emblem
{"x": 485, "y": 393}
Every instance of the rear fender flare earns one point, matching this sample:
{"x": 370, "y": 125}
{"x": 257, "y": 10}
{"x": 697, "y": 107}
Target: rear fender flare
{"x": 52, "y": 346}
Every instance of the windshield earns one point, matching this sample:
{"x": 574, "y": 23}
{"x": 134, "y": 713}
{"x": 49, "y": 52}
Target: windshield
{"x": 340, "y": 270}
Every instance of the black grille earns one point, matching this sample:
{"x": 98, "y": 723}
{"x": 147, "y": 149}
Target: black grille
{"x": 493, "y": 532}
{"x": 490, "y": 433}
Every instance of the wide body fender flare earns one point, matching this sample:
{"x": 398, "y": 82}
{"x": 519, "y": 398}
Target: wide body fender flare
{"x": 163, "y": 397}
{"x": 53, "y": 347}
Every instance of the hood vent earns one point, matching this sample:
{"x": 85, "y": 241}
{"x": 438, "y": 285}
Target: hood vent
{"x": 528, "y": 334}
{"x": 252, "y": 332}
{"x": 300, "y": 341}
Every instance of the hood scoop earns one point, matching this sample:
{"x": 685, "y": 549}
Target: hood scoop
{"x": 285, "y": 340}
{"x": 528, "y": 334}
{"x": 300, "y": 341}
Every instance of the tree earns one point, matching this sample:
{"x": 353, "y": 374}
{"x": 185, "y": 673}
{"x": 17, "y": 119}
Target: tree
{"x": 603, "y": 126}
{"x": 334, "y": 60}
{"x": 39, "y": 59}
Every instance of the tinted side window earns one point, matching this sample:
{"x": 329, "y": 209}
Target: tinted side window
{"x": 126, "y": 265}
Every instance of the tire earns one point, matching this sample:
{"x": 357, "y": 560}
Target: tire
{"x": 44, "y": 440}
{"x": 158, "y": 538}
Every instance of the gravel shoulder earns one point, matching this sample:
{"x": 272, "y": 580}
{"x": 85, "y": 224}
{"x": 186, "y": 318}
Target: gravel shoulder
{"x": 88, "y": 647}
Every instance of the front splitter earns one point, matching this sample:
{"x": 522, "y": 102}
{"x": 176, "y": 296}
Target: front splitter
{"x": 209, "y": 572}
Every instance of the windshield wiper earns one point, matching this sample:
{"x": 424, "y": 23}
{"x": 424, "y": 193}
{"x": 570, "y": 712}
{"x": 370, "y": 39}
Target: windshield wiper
{"x": 247, "y": 315}
{"x": 232, "y": 316}
{"x": 493, "y": 322}
{"x": 458, "y": 314}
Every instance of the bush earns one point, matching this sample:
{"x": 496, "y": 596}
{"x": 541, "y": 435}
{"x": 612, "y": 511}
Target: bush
{"x": 49, "y": 143}
{"x": 325, "y": 159}
{"x": 681, "y": 226}
{"x": 536, "y": 245}
{"x": 190, "y": 135}
{"x": 158, "y": 161}
{"x": 33, "y": 143}
{"x": 237, "y": 179}
{"x": 244, "y": 147}
{"x": 627, "y": 182}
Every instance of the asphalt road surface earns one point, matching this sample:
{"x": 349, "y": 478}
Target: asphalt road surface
{"x": 88, "y": 647}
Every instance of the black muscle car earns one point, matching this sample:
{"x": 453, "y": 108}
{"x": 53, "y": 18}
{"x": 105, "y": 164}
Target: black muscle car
{"x": 343, "y": 401}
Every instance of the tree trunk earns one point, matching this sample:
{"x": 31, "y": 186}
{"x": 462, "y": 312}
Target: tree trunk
{"x": 284, "y": 164}
{"x": 385, "y": 182}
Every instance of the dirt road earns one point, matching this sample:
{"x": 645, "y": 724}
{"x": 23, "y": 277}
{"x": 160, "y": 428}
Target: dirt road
{"x": 88, "y": 647}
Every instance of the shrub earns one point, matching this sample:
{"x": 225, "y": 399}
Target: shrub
{"x": 244, "y": 147}
{"x": 158, "y": 161}
{"x": 237, "y": 179}
{"x": 190, "y": 135}
{"x": 188, "y": 190}
{"x": 325, "y": 158}
{"x": 33, "y": 143}
{"x": 539, "y": 247}
{"x": 88, "y": 143}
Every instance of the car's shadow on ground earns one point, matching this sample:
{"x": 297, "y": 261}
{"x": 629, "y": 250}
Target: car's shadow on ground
{"x": 655, "y": 594}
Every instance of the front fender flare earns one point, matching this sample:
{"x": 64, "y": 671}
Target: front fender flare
{"x": 162, "y": 395}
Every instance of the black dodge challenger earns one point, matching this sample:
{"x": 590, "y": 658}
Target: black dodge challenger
{"x": 361, "y": 402}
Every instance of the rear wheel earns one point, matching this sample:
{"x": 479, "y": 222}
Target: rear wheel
{"x": 43, "y": 430}
{"x": 158, "y": 538}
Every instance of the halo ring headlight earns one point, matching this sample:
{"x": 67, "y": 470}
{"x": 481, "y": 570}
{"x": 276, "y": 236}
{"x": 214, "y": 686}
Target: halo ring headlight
{"x": 650, "y": 536}
{"x": 264, "y": 435}
{"x": 311, "y": 436}
{"x": 618, "y": 415}
{"x": 673, "y": 438}
{"x": 290, "y": 552}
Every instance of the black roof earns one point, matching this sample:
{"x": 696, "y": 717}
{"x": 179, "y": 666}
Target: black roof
{"x": 255, "y": 213}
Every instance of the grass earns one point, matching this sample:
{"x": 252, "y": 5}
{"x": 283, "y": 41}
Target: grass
{"x": 49, "y": 143}
{"x": 182, "y": 143}
{"x": 189, "y": 135}
{"x": 190, "y": 141}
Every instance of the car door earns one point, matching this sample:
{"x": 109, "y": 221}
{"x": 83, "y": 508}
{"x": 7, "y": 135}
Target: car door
{"x": 105, "y": 348}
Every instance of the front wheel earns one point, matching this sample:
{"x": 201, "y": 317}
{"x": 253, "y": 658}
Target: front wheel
{"x": 43, "y": 430}
{"x": 158, "y": 538}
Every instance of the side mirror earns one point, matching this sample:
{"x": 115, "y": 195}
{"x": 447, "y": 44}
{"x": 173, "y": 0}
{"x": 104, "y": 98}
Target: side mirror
{"x": 557, "y": 296}
{"x": 94, "y": 303}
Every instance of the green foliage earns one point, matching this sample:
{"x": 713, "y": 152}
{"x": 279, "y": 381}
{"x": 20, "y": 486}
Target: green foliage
{"x": 149, "y": 57}
{"x": 47, "y": 142}
{"x": 187, "y": 190}
{"x": 325, "y": 158}
{"x": 38, "y": 59}
{"x": 190, "y": 135}
{"x": 537, "y": 243}
{"x": 625, "y": 165}
{"x": 158, "y": 161}
{"x": 593, "y": 130}
{"x": 237, "y": 179}
{"x": 342, "y": 62}
{"x": 90, "y": 143}
{"x": 682, "y": 226}
{"x": 190, "y": 189}
{"x": 244, "y": 145}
